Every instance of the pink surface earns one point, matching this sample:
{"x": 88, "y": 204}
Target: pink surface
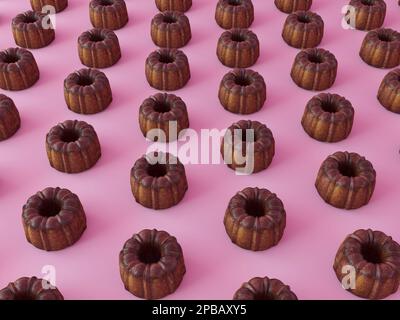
{"x": 215, "y": 267}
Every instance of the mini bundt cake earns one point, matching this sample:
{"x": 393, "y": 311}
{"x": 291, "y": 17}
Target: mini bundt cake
{"x": 18, "y": 69}
{"x": 328, "y": 117}
{"x": 303, "y": 29}
{"x": 87, "y": 91}
{"x": 238, "y": 48}
{"x": 30, "y": 289}
{"x": 170, "y": 29}
{"x": 174, "y": 5}
{"x": 72, "y": 146}
{"x": 314, "y": 69}
{"x": 59, "y": 5}
{"x": 9, "y": 118}
{"x": 108, "y": 14}
{"x": 264, "y": 289}
{"x": 234, "y": 13}
{"x": 28, "y": 31}
{"x": 242, "y": 91}
{"x": 346, "y": 180}
{"x": 368, "y": 14}
{"x": 158, "y": 181}
{"x": 248, "y": 147}
{"x": 162, "y": 117}
{"x": 289, "y": 6}
{"x": 99, "y": 48}
{"x": 389, "y": 91}
{"x": 53, "y": 219}
{"x": 381, "y": 48}
{"x": 255, "y": 219}
{"x": 375, "y": 258}
{"x": 167, "y": 69}
{"x": 151, "y": 264}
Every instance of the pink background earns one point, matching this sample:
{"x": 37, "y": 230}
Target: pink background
{"x": 215, "y": 267}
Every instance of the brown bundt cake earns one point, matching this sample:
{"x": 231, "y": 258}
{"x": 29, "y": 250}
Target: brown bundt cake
{"x": 167, "y": 69}
{"x": 72, "y": 146}
{"x": 99, "y": 48}
{"x": 346, "y": 180}
{"x": 59, "y": 5}
{"x": 108, "y": 14}
{"x": 30, "y": 289}
{"x": 53, "y": 219}
{"x": 242, "y": 91}
{"x": 151, "y": 264}
{"x": 234, "y": 13}
{"x": 238, "y": 48}
{"x": 381, "y": 48}
{"x": 87, "y": 91}
{"x": 375, "y": 258}
{"x": 170, "y": 29}
{"x": 289, "y": 6}
{"x": 314, "y": 69}
{"x": 28, "y": 31}
{"x": 389, "y": 91}
{"x": 328, "y": 117}
{"x": 174, "y": 5}
{"x": 163, "y": 112}
{"x": 248, "y": 147}
{"x": 255, "y": 219}
{"x": 158, "y": 181}
{"x": 369, "y": 14}
{"x": 264, "y": 289}
{"x": 18, "y": 69}
{"x": 9, "y": 118}
{"x": 303, "y": 29}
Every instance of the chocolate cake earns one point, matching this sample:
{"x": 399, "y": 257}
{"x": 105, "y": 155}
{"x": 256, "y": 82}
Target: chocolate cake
{"x": 72, "y": 146}
{"x": 53, "y": 219}
{"x": 255, "y": 219}
{"x": 151, "y": 264}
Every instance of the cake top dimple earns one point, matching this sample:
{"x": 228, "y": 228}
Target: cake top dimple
{"x": 264, "y": 289}
{"x": 244, "y": 81}
{"x": 158, "y": 170}
{"x": 71, "y": 136}
{"x": 167, "y": 59}
{"x": 15, "y": 56}
{"x": 151, "y": 252}
{"x": 6, "y": 102}
{"x": 239, "y": 38}
{"x": 234, "y": 5}
{"x": 305, "y": 18}
{"x": 370, "y": 5}
{"x": 98, "y": 38}
{"x": 170, "y": 19}
{"x": 32, "y": 288}
{"x": 163, "y": 107}
{"x": 85, "y": 80}
{"x": 106, "y": 4}
{"x": 316, "y": 58}
{"x": 256, "y": 208}
{"x": 50, "y": 208}
{"x": 330, "y": 107}
{"x": 28, "y": 19}
{"x": 368, "y": 250}
{"x": 246, "y": 131}
{"x": 384, "y": 36}
{"x": 393, "y": 79}
{"x": 349, "y": 168}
